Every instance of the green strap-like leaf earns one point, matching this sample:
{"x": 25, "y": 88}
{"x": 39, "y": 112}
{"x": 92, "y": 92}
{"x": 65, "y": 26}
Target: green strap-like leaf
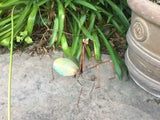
{"x": 54, "y": 32}
{"x": 118, "y": 27}
{"x": 41, "y": 2}
{"x": 78, "y": 53}
{"x": 88, "y": 52}
{"x": 69, "y": 22}
{"x": 82, "y": 19}
{"x": 61, "y": 17}
{"x": 8, "y": 19}
{"x": 10, "y": 3}
{"x": 104, "y": 11}
{"x": 91, "y": 22}
{"x": 119, "y": 13}
{"x": 5, "y": 31}
{"x": 99, "y": 16}
{"x": 97, "y": 50}
{"x": 75, "y": 18}
{"x": 86, "y": 4}
{"x": 24, "y": 15}
{"x": 65, "y": 46}
{"x": 67, "y": 3}
{"x": 85, "y": 32}
{"x": 31, "y": 19}
{"x": 108, "y": 36}
{"x": 111, "y": 52}
{"x": 72, "y": 6}
{"x": 76, "y": 38}
{"x": 101, "y": 1}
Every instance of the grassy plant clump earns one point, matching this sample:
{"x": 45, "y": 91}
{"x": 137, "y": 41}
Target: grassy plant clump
{"x": 87, "y": 19}
{"x": 24, "y": 16}
{"x": 78, "y": 19}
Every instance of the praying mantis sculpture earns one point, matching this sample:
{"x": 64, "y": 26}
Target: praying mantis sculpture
{"x": 70, "y": 67}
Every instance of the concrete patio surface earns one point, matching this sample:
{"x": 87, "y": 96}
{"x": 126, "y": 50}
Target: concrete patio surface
{"x": 36, "y": 96}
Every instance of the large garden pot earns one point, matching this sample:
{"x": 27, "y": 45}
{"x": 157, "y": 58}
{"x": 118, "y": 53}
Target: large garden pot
{"x": 143, "y": 54}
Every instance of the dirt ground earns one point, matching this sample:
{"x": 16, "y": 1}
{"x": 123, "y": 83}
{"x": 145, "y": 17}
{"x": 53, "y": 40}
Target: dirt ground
{"x": 36, "y": 96}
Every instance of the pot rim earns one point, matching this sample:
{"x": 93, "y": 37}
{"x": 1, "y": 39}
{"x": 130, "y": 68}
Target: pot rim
{"x": 146, "y": 9}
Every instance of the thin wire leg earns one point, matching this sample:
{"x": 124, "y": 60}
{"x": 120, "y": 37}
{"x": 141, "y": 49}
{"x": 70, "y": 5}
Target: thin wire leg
{"x": 92, "y": 80}
{"x": 98, "y": 71}
{"x": 98, "y": 77}
{"x": 79, "y": 93}
{"x": 63, "y": 56}
{"x": 91, "y": 90}
{"x": 79, "y": 98}
{"x": 86, "y": 79}
{"x": 78, "y": 80}
{"x": 90, "y": 57}
{"x": 96, "y": 65}
{"x": 52, "y": 74}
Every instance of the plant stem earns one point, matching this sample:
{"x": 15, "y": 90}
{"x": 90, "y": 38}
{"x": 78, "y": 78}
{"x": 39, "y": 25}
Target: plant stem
{"x": 10, "y": 69}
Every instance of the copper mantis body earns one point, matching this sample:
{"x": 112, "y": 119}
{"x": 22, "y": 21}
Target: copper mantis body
{"x": 72, "y": 68}
{"x": 81, "y": 70}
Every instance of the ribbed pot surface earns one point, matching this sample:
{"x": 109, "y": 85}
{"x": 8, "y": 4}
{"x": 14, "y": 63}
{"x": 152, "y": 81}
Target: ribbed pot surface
{"x": 143, "y": 55}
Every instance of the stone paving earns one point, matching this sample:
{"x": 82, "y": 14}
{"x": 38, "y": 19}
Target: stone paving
{"x": 36, "y": 96}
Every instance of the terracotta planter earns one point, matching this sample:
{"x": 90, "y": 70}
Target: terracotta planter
{"x": 143, "y": 55}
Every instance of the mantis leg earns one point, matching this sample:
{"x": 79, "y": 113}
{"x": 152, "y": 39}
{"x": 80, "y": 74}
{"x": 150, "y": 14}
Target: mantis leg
{"x": 80, "y": 91}
{"x": 79, "y": 98}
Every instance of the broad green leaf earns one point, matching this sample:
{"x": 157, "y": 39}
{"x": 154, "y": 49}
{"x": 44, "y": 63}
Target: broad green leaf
{"x": 5, "y": 41}
{"x": 19, "y": 39}
{"x": 86, "y": 4}
{"x": 24, "y": 34}
{"x": 28, "y": 40}
{"x": 101, "y": 1}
